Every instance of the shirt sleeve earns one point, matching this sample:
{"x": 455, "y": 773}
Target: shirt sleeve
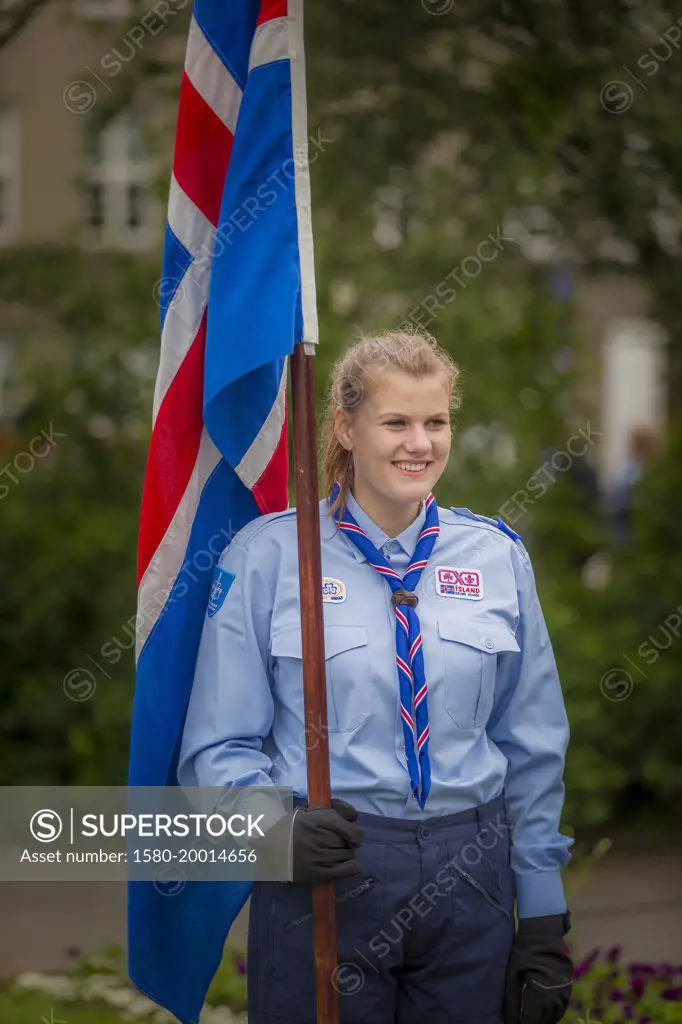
{"x": 231, "y": 707}
{"x": 529, "y": 726}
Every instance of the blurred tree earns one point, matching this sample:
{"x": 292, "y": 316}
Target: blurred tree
{"x": 556, "y": 121}
{"x": 15, "y": 15}
{"x": 72, "y": 461}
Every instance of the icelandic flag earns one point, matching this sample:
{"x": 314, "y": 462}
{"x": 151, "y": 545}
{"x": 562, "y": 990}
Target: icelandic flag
{"x": 237, "y": 294}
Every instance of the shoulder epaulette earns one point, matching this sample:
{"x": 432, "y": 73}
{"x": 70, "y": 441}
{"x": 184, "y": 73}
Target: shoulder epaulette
{"x": 499, "y": 523}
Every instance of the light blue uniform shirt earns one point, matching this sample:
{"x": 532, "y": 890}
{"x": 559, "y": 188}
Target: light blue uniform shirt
{"x": 495, "y": 705}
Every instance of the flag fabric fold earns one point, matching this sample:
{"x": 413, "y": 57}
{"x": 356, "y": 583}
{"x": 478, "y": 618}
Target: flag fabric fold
{"x": 237, "y": 294}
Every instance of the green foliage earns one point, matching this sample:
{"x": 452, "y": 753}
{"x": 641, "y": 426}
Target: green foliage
{"x": 646, "y": 616}
{"x": 30, "y": 1007}
{"x": 69, "y": 527}
{"x": 228, "y": 987}
{"x": 446, "y": 124}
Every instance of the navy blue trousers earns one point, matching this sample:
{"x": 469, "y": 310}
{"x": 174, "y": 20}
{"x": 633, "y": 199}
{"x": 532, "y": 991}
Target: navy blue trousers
{"x": 424, "y": 933}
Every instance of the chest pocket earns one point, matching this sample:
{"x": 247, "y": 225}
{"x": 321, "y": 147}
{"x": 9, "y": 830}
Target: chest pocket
{"x": 347, "y": 671}
{"x": 469, "y": 651}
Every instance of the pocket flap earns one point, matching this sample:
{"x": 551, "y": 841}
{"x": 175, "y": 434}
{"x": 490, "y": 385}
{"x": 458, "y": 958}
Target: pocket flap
{"x": 287, "y": 642}
{"x": 489, "y": 637}
{"x": 343, "y": 638}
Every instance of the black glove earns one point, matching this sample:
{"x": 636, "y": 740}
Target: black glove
{"x": 540, "y": 972}
{"x": 324, "y": 843}
{"x": 317, "y": 845}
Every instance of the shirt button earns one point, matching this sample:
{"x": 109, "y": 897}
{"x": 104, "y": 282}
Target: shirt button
{"x": 489, "y": 645}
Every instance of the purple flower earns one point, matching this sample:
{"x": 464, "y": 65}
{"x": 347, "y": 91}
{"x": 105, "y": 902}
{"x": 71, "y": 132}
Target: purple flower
{"x": 672, "y": 993}
{"x": 585, "y": 964}
{"x": 617, "y": 995}
{"x": 627, "y": 1011}
{"x": 614, "y": 954}
{"x": 239, "y": 963}
{"x": 639, "y": 968}
{"x": 645, "y": 1020}
{"x": 638, "y": 985}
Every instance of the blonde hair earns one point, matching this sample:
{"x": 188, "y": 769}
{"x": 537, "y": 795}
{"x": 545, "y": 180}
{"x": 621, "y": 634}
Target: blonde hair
{"x": 414, "y": 352}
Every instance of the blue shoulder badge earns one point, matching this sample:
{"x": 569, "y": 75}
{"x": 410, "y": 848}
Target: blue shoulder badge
{"x": 222, "y": 581}
{"x": 507, "y": 529}
{"x": 499, "y": 523}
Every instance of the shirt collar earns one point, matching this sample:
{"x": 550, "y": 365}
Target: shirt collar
{"x": 407, "y": 539}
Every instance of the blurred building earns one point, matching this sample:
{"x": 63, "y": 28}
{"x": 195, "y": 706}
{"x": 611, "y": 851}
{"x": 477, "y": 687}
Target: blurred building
{"x": 63, "y": 179}
{"x": 627, "y": 367}
{"x": 623, "y": 362}
{"x": 67, "y": 178}
{"x": 79, "y": 164}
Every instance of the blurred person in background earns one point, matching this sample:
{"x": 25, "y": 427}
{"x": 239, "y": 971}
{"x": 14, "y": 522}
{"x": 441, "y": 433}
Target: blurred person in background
{"x": 619, "y": 495}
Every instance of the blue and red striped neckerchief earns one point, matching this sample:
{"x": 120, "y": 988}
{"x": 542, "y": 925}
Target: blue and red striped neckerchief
{"x": 408, "y": 639}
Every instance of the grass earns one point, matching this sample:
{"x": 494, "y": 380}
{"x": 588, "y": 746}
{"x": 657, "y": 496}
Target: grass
{"x": 38, "y": 1008}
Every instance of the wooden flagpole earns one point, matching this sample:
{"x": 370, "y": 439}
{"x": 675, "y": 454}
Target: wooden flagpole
{"x": 314, "y": 676}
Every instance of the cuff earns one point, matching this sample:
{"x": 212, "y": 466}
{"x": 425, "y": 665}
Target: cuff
{"x": 270, "y": 804}
{"x": 539, "y": 894}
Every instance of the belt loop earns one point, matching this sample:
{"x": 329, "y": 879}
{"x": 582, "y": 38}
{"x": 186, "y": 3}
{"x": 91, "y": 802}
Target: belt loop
{"x": 480, "y": 818}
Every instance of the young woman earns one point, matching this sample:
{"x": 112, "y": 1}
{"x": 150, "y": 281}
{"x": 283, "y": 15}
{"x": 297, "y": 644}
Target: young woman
{"x": 446, "y": 726}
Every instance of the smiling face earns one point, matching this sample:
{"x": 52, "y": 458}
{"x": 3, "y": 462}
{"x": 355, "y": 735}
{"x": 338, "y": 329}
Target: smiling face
{"x": 400, "y": 437}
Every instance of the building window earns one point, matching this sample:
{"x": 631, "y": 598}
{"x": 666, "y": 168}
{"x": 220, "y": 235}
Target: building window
{"x": 95, "y": 214}
{"x": 9, "y": 175}
{"x": 134, "y": 206}
{"x": 119, "y": 207}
